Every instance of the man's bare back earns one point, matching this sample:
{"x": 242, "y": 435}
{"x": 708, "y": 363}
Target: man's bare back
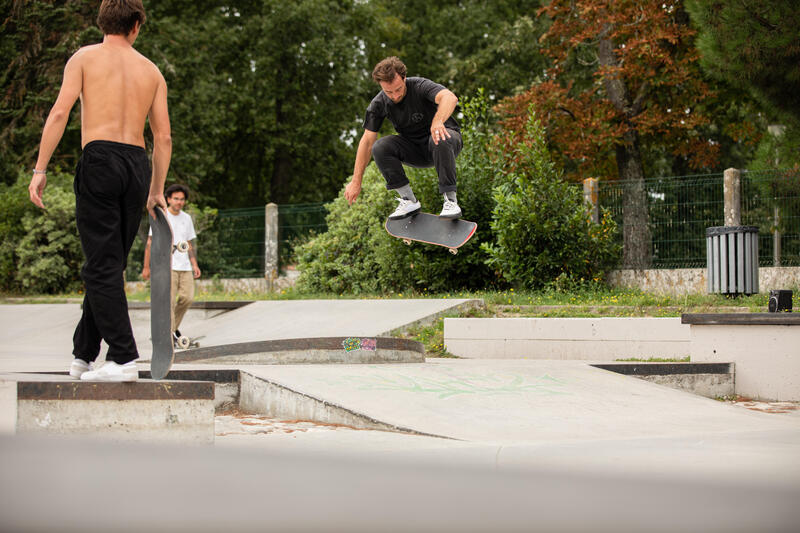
{"x": 119, "y": 87}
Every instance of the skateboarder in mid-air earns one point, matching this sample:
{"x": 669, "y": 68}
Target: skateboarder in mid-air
{"x": 428, "y": 136}
{"x": 119, "y": 89}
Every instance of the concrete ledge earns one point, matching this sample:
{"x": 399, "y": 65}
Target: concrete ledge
{"x": 712, "y": 380}
{"x": 310, "y": 351}
{"x": 176, "y": 411}
{"x": 599, "y": 339}
{"x": 765, "y": 347}
{"x": 743, "y": 319}
{"x": 87, "y": 390}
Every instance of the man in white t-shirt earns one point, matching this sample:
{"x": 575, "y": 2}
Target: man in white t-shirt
{"x": 184, "y": 264}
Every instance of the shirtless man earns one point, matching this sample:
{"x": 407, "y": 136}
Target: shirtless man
{"x": 119, "y": 89}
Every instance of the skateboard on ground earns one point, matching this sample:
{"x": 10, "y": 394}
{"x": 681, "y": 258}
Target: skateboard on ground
{"x": 431, "y": 229}
{"x": 160, "y": 295}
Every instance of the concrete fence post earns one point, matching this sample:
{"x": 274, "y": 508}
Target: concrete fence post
{"x": 776, "y": 238}
{"x": 590, "y": 195}
{"x": 733, "y": 197}
{"x": 271, "y": 244}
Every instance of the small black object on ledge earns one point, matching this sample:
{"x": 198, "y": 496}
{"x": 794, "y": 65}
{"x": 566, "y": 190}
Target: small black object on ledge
{"x": 780, "y": 301}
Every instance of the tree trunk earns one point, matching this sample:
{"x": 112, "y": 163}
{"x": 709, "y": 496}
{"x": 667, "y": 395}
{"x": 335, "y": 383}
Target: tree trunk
{"x": 636, "y": 234}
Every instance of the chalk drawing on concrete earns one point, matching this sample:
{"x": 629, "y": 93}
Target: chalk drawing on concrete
{"x": 447, "y": 386}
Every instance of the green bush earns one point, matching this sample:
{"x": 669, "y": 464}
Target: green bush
{"x": 356, "y": 255}
{"x": 15, "y": 202}
{"x": 48, "y": 255}
{"x": 541, "y": 223}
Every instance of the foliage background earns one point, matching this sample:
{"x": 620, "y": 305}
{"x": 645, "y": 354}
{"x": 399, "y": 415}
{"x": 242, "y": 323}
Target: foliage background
{"x": 267, "y": 100}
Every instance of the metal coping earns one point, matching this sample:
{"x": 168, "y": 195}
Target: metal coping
{"x": 294, "y": 345}
{"x": 664, "y": 369}
{"x": 741, "y": 319}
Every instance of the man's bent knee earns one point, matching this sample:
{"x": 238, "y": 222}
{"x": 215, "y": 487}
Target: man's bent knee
{"x": 380, "y": 149}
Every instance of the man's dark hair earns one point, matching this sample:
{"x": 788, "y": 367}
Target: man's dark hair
{"x": 118, "y": 17}
{"x": 387, "y": 68}
{"x": 172, "y": 189}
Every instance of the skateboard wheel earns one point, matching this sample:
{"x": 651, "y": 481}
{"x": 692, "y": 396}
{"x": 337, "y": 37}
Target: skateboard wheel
{"x": 182, "y": 246}
{"x": 183, "y": 342}
{"x": 407, "y": 241}
{"x": 453, "y": 251}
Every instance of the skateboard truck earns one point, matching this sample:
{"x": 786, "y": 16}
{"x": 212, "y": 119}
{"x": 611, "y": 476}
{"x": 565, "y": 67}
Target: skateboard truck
{"x": 182, "y": 246}
{"x": 183, "y": 341}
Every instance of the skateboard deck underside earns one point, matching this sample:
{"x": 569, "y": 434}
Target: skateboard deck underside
{"x": 160, "y": 292}
{"x": 430, "y": 229}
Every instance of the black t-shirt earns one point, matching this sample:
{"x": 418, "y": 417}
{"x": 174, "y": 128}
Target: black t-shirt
{"x": 412, "y": 117}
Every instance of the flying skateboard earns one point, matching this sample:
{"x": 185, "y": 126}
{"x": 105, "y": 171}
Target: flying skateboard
{"x": 431, "y": 229}
{"x": 161, "y": 294}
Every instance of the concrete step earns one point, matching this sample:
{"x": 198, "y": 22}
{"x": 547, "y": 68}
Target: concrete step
{"x": 146, "y": 410}
{"x": 592, "y": 339}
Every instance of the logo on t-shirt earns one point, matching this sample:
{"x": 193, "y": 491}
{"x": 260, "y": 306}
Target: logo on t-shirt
{"x": 417, "y": 117}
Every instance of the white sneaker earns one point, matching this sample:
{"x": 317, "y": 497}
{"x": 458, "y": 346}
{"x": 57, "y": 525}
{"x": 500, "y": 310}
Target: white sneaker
{"x": 78, "y": 367}
{"x": 450, "y": 210}
{"x": 112, "y": 371}
{"x": 406, "y": 208}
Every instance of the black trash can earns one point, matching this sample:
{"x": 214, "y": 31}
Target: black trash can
{"x": 732, "y": 259}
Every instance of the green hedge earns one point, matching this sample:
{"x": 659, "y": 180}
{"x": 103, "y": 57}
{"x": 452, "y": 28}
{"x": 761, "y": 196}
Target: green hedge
{"x": 357, "y": 256}
{"x": 39, "y": 249}
{"x": 543, "y": 233}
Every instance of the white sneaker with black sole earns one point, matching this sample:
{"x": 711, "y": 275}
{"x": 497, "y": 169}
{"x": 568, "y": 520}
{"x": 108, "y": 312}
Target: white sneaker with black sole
{"x": 450, "y": 209}
{"x": 79, "y": 367}
{"x": 112, "y": 371}
{"x": 405, "y": 208}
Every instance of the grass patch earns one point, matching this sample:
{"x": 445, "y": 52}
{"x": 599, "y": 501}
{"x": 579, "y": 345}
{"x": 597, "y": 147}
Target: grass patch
{"x": 586, "y": 301}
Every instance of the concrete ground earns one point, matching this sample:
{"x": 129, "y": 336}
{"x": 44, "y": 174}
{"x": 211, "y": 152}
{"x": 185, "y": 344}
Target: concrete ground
{"x": 518, "y": 445}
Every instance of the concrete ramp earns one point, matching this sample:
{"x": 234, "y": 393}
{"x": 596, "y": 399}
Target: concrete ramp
{"x": 509, "y": 402}
{"x": 38, "y": 337}
{"x": 296, "y": 319}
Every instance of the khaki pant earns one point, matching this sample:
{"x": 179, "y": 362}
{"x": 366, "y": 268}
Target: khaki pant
{"x": 182, "y": 295}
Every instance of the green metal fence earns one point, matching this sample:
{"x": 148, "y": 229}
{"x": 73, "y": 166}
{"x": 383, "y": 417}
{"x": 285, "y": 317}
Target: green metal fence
{"x": 680, "y": 209}
{"x": 234, "y": 244}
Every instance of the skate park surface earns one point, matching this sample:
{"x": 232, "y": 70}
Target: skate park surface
{"x": 480, "y": 444}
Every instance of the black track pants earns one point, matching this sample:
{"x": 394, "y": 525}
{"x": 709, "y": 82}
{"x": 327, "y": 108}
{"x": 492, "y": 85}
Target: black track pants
{"x": 111, "y": 185}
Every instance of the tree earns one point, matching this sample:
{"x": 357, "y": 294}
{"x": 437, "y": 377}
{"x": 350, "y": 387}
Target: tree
{"x": 464, "y": 44}
{"x": 263, "y": 95}
{"x": 754, "y": 46}
{"x": 36, "y": 39}
{"x": 623, "y": 75}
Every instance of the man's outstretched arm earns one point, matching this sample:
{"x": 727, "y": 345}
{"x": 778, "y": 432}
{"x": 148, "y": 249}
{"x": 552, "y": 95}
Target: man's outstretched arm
{"x": 54, "y": 126}
{"x": 363, "y": 155}
{"x": 162, "y": 146}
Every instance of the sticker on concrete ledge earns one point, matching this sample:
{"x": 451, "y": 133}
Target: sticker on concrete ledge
{"x": 351, "y": 344}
